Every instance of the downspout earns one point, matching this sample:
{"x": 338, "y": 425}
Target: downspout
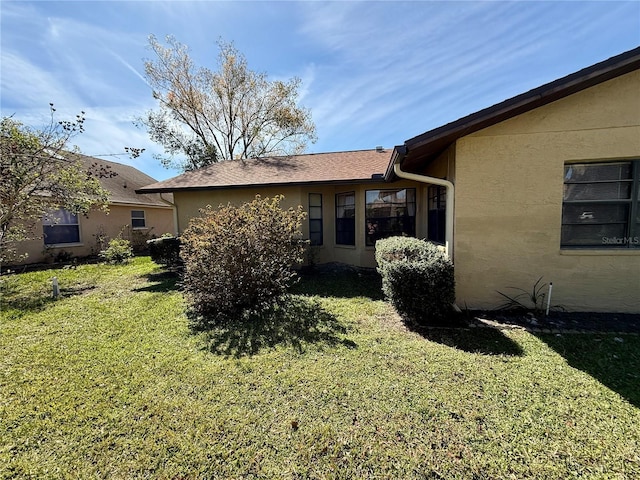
{"x": 448, "y": 231}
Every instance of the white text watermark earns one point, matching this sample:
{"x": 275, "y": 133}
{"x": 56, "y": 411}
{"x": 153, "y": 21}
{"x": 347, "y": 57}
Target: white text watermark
{"x": 621, "y": 240}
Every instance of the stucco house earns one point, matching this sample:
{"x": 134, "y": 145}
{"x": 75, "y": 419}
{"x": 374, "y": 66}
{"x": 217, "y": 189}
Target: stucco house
{"x": 545, "y": 184}
{"x": 330, "y": 186}
{"x": 137, "y": 217}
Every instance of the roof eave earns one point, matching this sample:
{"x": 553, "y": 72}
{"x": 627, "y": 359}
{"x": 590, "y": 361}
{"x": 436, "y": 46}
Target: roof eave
{"x": 399, "y": 152}
{"x": 139, "y": 204}
{"x": 428, "y": 145}
{"x": 201, "y": 188}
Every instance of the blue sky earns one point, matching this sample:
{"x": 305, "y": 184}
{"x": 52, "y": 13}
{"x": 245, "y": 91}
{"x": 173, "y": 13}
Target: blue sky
{"x": 373, "y": 73}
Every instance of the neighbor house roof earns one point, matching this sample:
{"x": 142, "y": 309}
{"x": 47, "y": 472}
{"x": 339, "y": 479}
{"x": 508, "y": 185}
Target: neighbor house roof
{"x": 420, "y": 150}
{"x": 337, "y": 167}
{"x": 121, "y": 181}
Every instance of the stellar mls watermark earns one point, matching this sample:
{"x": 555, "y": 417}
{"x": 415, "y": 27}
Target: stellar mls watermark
{"x": 621, "y": 240}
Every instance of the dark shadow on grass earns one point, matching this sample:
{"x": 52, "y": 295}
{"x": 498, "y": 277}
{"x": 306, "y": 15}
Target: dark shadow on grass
{"x": 339, "y": 281}
{"x": 298, "y": 322}
{"x": 161, "y": 282}
{"x": 347, "y": 282}
{"x": 76, "y": 290}
{"x": 613, "y": 360}
{"x": 458, "y": 334}
{"x": 18, "y": 305}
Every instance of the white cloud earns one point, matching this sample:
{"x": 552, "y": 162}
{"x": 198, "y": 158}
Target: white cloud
{"x": 435, "y": 62}
{"x": 26, "y": 86}
{"x": 373, "y": 72}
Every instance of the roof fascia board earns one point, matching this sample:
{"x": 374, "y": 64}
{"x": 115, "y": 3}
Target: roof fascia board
{"x": 399, "y": 152}
{"x": 259, "y": 185}
{"x": 147, "y": 205}
{"x": 550, "y": 92}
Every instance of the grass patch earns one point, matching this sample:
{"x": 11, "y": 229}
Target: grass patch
{"x": 109, "y": 381}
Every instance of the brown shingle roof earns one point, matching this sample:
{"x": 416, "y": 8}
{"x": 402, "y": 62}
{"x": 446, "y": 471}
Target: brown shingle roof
{"x": 122, "y": 181}
{"x": 337, "y": 167}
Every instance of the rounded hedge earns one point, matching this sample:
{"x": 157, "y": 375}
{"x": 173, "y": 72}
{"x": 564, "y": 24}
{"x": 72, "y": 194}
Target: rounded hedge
{"x": 417, "y": 278}
{"x": 165, "y": 251}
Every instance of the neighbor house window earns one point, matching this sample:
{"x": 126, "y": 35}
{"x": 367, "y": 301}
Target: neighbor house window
{"x": 601, "y": 206}
{"x": 390, "y": 213}
{"x": 60, "y": 227}
{"x": 315, "y": 218}
{"x": 346, "y": 218}
{"x": 137, "y": 219}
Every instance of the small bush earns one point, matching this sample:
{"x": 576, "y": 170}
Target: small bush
{"x": 139, "y": 239}
{"x": 240, "y": 259}
{"x": 118, "y": 251}
{"x": 165, "y": 251}
{"x": 417, "y": 278}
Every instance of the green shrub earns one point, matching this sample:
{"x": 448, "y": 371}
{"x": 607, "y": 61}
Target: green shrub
{"x": 240, "y": 259}
{"x": 139, "y": 239}
{"x": 165, "y": 251}
{"x": 417, "y": 278}
{"x": 118, "y": 251}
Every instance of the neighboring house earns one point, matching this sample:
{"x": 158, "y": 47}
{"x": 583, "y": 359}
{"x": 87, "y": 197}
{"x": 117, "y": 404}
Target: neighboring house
{"x": 545, "y": 184}
{"x": 137, "y": 217}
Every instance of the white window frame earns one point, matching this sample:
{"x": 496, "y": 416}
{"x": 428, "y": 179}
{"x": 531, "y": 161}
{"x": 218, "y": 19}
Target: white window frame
{"x": 53, "y": 220}
{"x": 346, "y": 216}
{"x": 401, "y": 214}
{"x": 315, "y": 218}
{"x": 143, "y": 218}
{"x": 581, "y": 210}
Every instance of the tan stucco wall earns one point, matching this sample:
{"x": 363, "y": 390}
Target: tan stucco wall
{"x": 509, "y": 188}
{"x": 189, "y": 203}
{"x": 443, "y": 166}
{"x": 118, "y": 219}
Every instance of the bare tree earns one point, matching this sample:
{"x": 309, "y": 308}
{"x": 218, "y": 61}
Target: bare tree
{"x": 233, "y": 113}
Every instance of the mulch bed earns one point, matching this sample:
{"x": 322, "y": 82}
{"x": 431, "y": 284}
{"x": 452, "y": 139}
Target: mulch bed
{"x": 560, "y": 322}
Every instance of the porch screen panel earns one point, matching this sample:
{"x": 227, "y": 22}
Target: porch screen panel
{"x": 346, "y": 218}
{"x": 437, "y": 214}
{"x": 315, "y": 219}
{"x": 390, "y": 213}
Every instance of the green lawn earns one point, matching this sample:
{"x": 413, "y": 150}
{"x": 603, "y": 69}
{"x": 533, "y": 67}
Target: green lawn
{"x": 109, "y": 381}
